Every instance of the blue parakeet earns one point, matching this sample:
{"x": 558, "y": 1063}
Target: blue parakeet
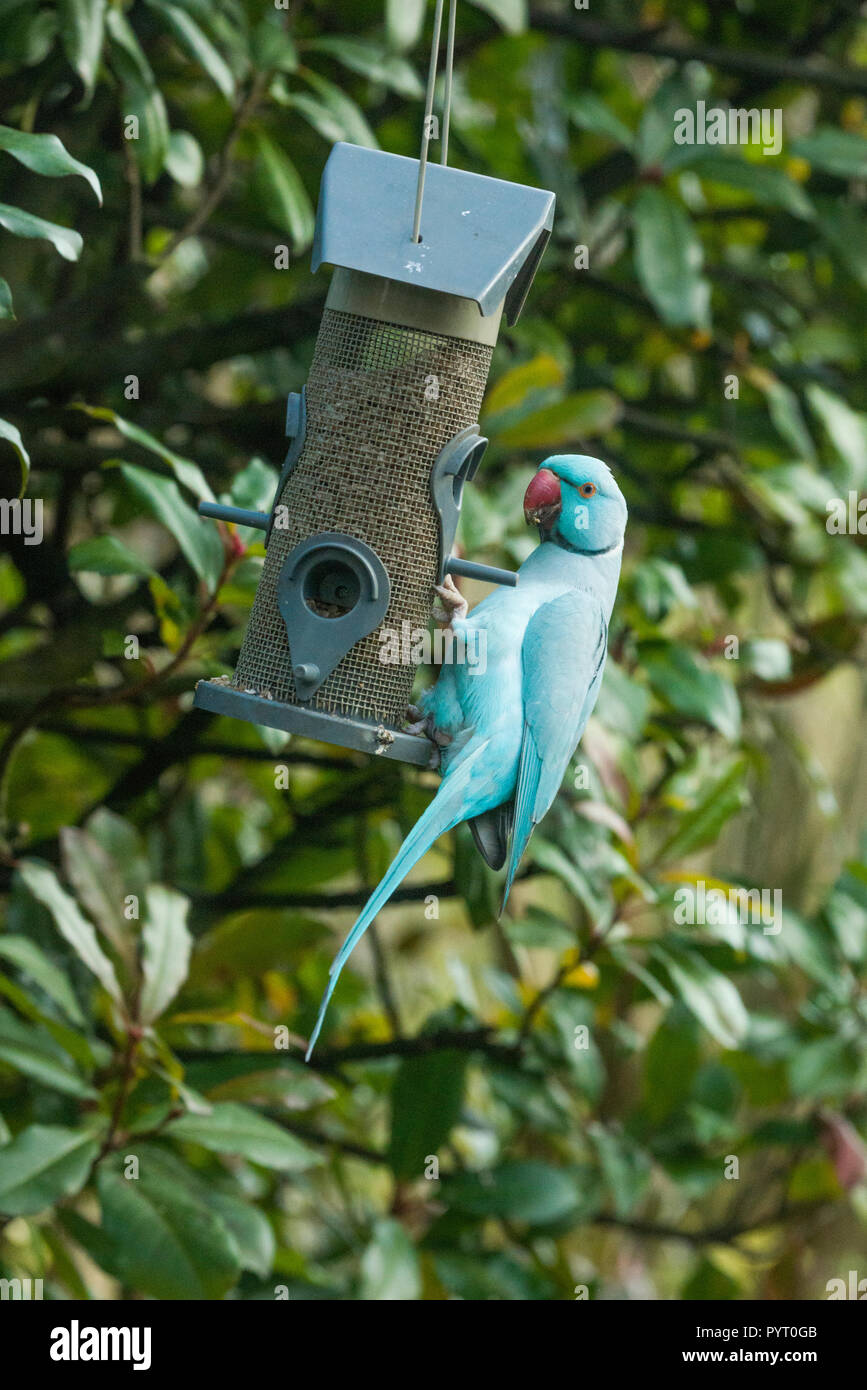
{"x": 508, "y": 726}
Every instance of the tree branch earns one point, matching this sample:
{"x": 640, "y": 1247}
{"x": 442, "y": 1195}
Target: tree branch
{"x": 769, "y": 68}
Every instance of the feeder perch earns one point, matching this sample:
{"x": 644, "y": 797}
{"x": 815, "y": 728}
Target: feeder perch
{"x": 384, "y": 437}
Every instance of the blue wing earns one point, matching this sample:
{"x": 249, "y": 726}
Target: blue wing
{"x": 562, "y": 660}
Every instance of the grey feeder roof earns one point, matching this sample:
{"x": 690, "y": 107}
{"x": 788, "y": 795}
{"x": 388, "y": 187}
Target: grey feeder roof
{"x": 482, "y": 238}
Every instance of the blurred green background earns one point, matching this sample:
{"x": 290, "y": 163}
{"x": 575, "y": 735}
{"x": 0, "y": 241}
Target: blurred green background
{"x": 531, "y": 1110}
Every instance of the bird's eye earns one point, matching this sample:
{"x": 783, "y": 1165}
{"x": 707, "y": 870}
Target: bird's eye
{"x": 587, "y": 489}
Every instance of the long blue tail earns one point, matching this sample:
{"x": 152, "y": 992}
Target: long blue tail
{"x": 447, "y": 808}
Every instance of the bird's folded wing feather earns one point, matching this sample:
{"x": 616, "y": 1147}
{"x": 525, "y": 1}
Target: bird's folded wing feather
{"x": 562, "y": 660}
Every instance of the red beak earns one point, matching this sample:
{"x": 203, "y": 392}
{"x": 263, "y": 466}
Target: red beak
{"x": 542, "y": 500}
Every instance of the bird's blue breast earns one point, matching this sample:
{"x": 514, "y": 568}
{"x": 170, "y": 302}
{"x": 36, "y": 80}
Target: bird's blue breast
{"x": 486, "y": 699}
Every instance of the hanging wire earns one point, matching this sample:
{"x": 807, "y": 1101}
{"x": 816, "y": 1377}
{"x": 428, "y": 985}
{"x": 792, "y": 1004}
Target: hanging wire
{"x": 447, "y": 95}
{"x": 428, "y": 112}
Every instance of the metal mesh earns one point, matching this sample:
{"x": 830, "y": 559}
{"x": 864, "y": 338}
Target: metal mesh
{"x": 382, "y": 401}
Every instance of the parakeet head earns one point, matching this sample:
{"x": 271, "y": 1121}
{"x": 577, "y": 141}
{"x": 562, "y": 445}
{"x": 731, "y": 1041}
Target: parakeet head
{"x": 576, "y": 504}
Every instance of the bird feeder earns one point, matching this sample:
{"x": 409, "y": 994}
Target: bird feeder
{"x": 383, "y": 438}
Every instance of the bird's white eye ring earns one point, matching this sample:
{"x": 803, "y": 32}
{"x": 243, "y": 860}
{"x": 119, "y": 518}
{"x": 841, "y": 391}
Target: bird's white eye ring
{"x": 587, "y": 489}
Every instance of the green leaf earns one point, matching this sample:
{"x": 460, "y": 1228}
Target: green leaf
{"x": 539, "y": 928}
{"x": 661, "y": 586}
{"x": 480, "y": 1277}
{"x": 271, "y": 46}
{"x": 768, "y": 184}
{"x": 82, "y": 30}
{"x": 127, "y": 53}
{"x": 785, "y": 412}
{"x": 185, "y": 161}
{"x": 425, "y": 1106}
{"x": 814, "y": 1180}
{"x": 197, "y": 539}
{"x": 140, "y": 96}
{"x": 98, "y": 880}
{"x": 769, "y": 658}
{"x": 684, "y": 680}
{"x": 282, "y": 194}
{"x": 75, "y": 929}
{"x": 846, "y": 428}
{"x": 589, "y": 112}
{"x": 511, "y": 15}
{"x": 12, "y": 436}
{"x": 167, "y": 1243}
{"x": 552, "y": 860}
{"x": 45, "y": 154}
{"x": 624, "y": 1167}
{"x": 655, "y": 144}
{"x": 669, "y": 259}
{"x": 822, "y": 1067}
{"x": 249, "y": 943}
{"x": 33, "y": 1051}
{"x": 721, "y": 798}
{"x": 32, "y": 961}
{"x": 584, "y": 414}
{"x": 93, "y": 1241}
{"x": 839, "y": 152}
{"x": 254, "y": 486}
{"x": 6, "y": 309}
{"x": 151, "y": 146}
{"x": 404, "y": 22}
{"x": 41, "y": 1165}
{"x": 318, "y": 115}
{"x": 374, "y": 61}
{"x": 515, "y": 385}
{"x": 709, "y": 995}
{"x": 249, "y": 1234}
{"x": 389, "y": 1265}
{"x": 66, "y": 241}
{"x": 235, "y": 1129}
{"x": 519, "y": 1190}
{"x": 623, "y": 703}
{"x": 709, "y": 1282}
{"x": 166, "y": 946}
{"x": 196, "y": 43}
{"x": 250, "y": 1231}
{"x": 474, "y": 881}
{"x": 844, "y": 227}
{"x": 188, "y": 474}
{"x": 334, "y": 111}
{"x": 106, "y": 555}
{"x": 290, "y": 1085}
{"x": 670, "y": 1063}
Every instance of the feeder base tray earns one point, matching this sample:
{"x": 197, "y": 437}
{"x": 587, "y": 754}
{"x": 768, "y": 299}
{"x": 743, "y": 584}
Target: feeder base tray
{"x": 341, "y": 730}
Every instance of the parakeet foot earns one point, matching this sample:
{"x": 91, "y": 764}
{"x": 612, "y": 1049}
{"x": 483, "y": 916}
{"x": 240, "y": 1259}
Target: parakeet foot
{"x": 454, "y": 604}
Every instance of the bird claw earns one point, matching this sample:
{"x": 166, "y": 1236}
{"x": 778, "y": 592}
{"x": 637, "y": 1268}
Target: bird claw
{"x": 424, "y": 725}
{"x": 452, "y": 599}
